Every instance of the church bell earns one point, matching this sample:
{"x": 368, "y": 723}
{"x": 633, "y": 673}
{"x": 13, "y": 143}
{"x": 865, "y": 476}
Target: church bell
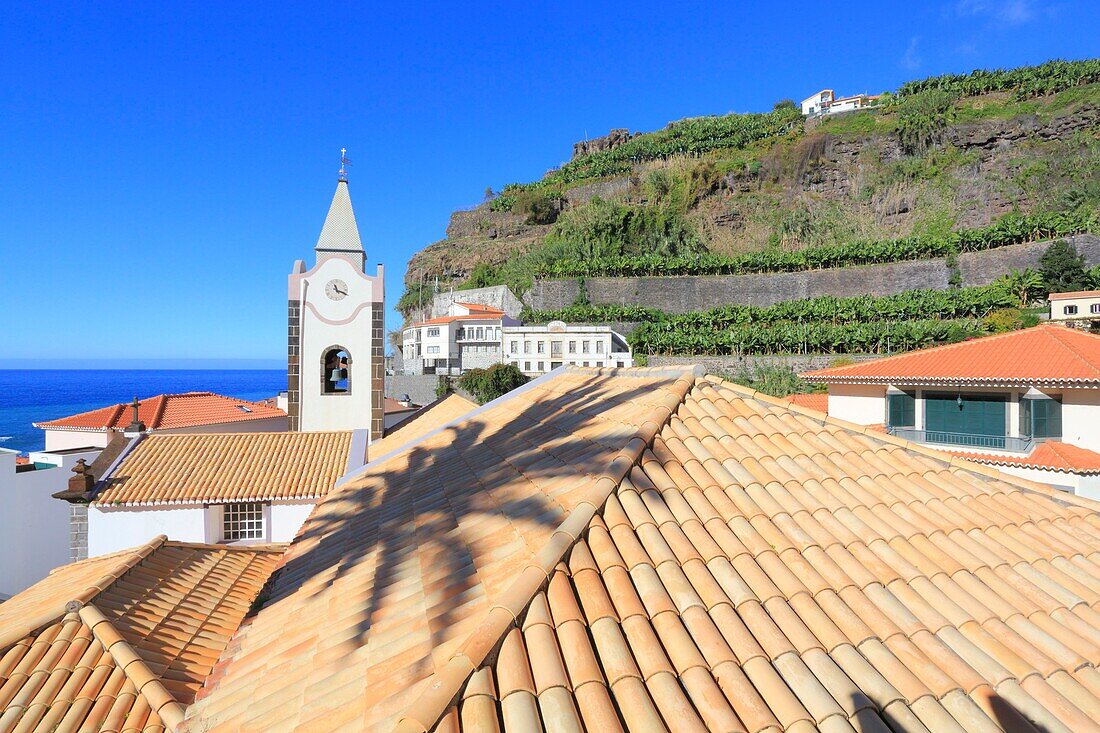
{"x": 338, "y": 375}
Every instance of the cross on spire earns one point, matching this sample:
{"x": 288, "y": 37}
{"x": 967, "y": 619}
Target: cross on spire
{"x": 344, "y": 163}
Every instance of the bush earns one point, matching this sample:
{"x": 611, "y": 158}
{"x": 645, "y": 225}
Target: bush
{"x": 604, "y": 229}
{"x": 488, "y": 384}
{"x": 777, "y": 381}
{"x": 1024, "y": 81}
{"x": 415, "y": 295}
{"x": 1063, "y": 269}
{"x": 538, "y": 206}
{"x": 1009, "y": 319}
{"x": 923, "y": 118}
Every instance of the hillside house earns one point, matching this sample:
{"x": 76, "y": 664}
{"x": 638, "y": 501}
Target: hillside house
{"x": 1077, "y": 307}
{"x": 1028, "y": 401}
{"x": 468, "y": 337}
{"x": 826, "y": 102}
{"x": 540, "y": 349}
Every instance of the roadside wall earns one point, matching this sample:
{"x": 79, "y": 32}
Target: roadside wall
{"x": 683, "y": 294}
{"x": 733, "y": 364}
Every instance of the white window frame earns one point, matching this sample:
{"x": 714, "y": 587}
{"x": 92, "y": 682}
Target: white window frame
{"x": 433, "y": 332}
{"x": 1069, "y": 310}
{"x": 249, "y": 522}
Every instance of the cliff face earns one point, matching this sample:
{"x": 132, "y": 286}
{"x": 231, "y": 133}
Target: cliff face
{"x": 833, "y": 180}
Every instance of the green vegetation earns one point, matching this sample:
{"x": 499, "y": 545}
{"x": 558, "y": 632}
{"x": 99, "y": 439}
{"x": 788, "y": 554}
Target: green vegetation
{"x": 1010, "y": 229}
{"x": 488, "y": 384}
{"x": 1009, "y": 319}
{"x": 874, "y": 337}
{"x": 693, "y": 136}
{"x": 923, "y": 118}
{"x": 416, "y": 295}
{"x": 777, "y": 381}
{"x": 1024, "y": 82}
{"x": 1063, "y": 269}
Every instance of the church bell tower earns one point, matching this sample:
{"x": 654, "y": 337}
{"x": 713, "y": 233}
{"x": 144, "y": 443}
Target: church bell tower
{"x": 336, "y": 329}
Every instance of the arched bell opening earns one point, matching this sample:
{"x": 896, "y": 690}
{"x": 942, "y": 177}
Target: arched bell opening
{"x": 335, "y": 371}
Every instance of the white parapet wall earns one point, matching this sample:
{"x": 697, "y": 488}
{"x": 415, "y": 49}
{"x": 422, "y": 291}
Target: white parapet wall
{"x": 34, "y": 526}
{"x": 864, "y": 404}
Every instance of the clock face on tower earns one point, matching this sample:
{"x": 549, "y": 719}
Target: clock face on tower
{"x": 336, "y": 289}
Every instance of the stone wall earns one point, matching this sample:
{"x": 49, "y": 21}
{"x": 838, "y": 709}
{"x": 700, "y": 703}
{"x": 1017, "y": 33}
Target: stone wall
{"x": 78, "y": 532}
{"x": 496, "y": 296}
{"x": 734, "y": 364}
{"x": 684, "y": 294}
{"x": 982, "y": 268}
{"x": 419, "y": 387}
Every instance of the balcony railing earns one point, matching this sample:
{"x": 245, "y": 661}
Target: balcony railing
{"x": 969, "y": 440}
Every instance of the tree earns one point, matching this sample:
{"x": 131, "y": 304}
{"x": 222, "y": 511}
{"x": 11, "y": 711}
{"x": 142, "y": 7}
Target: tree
{"x": 784, "y": 104}
{"x": 1023, "y": 285}
{"x": 489, "y": 193}
{"x": 1063, "y": 268}
{"x": 488, "y": 384}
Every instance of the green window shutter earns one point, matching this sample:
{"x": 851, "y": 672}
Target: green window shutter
{"x": 1026, "y": 427}
{"x": 1046, "y": 418}
{"x": 901, "y": 411}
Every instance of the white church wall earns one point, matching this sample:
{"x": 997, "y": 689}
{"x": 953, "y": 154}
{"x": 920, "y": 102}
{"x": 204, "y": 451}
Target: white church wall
{"x": 34, "y": 527}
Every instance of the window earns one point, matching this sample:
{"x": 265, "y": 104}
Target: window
{"x": 1069, "y": 310}
{"x": 433, "y": 349}
{"x": 599, "y": 347}
{"x": 1094, "y": 308}
{"x": 526, "y": 347}
{"x": 542, "y": 347}
{"x": 480, "y": 333}
{"x": 542, "y": 366}
{"x": 572, "y": 347}
{"x": 515, "y": 347}
{"x": 584, "y": 347}
{"x": 901, "y": 410}
{"x": 526, "y": 366}
{"x": 555, "y": 348}
{"x": 433, "y": 332}
{"x": 1040, "y": 417}
{"x": 242, "y": 522}
{"x": 335, "y": 371}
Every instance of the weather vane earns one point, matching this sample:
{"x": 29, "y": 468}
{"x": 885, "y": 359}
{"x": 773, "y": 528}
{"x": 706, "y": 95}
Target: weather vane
{"x": 344, "y": 163}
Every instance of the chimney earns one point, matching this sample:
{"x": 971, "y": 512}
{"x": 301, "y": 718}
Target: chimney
{"x": 137, "y": 427}
{"x": 82, "y": 479}
{"x": 405, "y": 400}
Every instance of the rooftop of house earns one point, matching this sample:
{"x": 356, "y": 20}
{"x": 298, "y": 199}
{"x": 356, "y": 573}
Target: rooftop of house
{"x": 168, "y": 411}
{"x": 1048, "y": 355}
{"x": 1074, "y": 294}
{"x": 202, "y": 467}
{"x": 652, "y": 548}
{"x": 1052, "y": 455}
{"x": 814, "y": 400}
{"x": 123, "y": 642}
{"x": 428, "y": 419}
{"x": 390, "y": 406}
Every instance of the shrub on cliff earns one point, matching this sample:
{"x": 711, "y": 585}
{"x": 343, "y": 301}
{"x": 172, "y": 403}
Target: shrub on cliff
{"x": 488, "y": 384}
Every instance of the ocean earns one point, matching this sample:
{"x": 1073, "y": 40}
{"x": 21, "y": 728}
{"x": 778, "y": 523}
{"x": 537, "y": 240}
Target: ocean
{"x": 34, "y": 395}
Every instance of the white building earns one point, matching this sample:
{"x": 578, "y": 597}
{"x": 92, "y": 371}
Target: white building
{"x": 1083, "y": 305}
{"x": 336, "y": 331}
{"x": 217, "y": 489}
{"x": 540, "y": 349}
{"x": 468, "y": 337}
{"x": 1027, "y": 401}
{"x": 34, "y": 527}
{"x": 826, "y": 102}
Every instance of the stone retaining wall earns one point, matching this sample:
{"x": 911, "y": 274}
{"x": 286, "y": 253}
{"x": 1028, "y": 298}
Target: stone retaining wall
{"x": 733, "y": 364}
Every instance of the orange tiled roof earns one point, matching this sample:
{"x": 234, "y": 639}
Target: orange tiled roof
{"x": 1053, "y": 455}
{"x": 169, "y": 411}
{"x": 123, "y": 642}
{"x": 390, "y": 405}
{"x": 1074, "y": 294}
{"x": 650, "y": 549}
{"x": 814, "y": 400}
{"x": 429, "y": 418}
{"x": 200, "y": 467}
{"x": 478, "y": 307}
{"x": 1045, "y": 355}
{"x": 450, "y": 319}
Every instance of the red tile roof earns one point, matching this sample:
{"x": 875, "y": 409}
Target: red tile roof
{"x": 1048, "y": 354}
{"x": 1074, "y": 294}
{"x": 390, "y": 405}
{"x": 1052, "y": 455}
{"x": 815, "y": 400}
{"x": 480, "y": 316}
{"x": 478, "y": 307}
{"x": 168, "y": 411}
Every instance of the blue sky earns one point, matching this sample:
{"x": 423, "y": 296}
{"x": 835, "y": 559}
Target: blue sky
{"x": 162, "y": 165}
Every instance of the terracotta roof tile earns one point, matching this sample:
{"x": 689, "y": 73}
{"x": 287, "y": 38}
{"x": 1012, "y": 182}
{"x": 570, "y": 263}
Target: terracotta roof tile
{"x": 723, "y": 561}
{"x": 427, "y": 419}
{"x": 1048, "y": 354}
{"x": 198, "y": 467}
{"x": 123, "y": 642}
{"x": 813, "y": 401}
{"x": 1074, "y": 294}
{"x": 169, "y": 411}
{"x": 1052, "y": 455}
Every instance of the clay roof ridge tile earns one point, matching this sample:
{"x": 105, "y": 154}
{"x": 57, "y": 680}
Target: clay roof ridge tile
{"x": 134, "y": 667}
